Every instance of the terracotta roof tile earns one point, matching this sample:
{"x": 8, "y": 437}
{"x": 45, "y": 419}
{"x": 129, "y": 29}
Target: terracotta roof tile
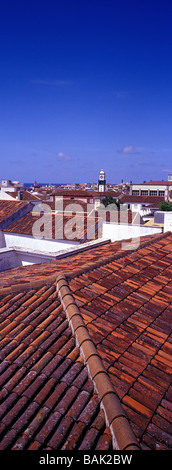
{"x": 41, "y": 381}
{"x": 34, "y": 278}
{"x": 152, "y": 201}
{"x": 7, "y": 208}
{"x": 85, "y": 228}
{"x": 51, "y": 390}
{"x": 134, "y": 340}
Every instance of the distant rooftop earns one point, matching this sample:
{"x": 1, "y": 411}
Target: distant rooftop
{"x": 160, "y": 183}
{"x": 7, "y": 208}
{"x": 151, "y": 200}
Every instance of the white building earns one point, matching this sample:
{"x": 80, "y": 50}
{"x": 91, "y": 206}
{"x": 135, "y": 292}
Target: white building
{"x": 153, "y": 188}
{"x": 11, "y": 186}
{"x": 102, "y": 181}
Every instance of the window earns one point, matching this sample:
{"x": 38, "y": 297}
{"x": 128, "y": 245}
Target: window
{"x": 135, "y": 192}
{"x": 153, "y": 193}
{"x": 161, "y": 193}
{"x": 144, "y": 193}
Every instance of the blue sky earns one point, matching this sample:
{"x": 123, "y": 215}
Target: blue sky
{"x": 85, "y": 85}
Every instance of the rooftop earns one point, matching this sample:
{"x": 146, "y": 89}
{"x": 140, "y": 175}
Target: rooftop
{"x": 26, "y": 195}
{"x": 86, "y": 355}
{"x": 78, "y": 225}
{"x": 83, "y": 193}
{"x": 7, "y": 208}
{"x": 47, "y": 398}
{"x": 151, "y": 200}
{"x": 40, "y": 271}
{"x": 160, "y": 183}
{"x": 75, "y": 228}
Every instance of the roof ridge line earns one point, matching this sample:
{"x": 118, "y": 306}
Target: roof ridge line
{"x": 122, "y": 433}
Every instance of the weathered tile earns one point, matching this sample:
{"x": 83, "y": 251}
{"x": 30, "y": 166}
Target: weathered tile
{"x": 125, "y": 303}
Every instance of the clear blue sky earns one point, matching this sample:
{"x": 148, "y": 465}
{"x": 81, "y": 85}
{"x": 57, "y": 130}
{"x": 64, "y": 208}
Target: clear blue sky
{"x": 85, "y": 85}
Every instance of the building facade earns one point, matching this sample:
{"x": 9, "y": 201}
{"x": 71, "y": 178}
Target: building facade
{"x": 153, "y": 188}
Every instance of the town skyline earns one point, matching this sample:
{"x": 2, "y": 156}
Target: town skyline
{"x": 85, "y": 87}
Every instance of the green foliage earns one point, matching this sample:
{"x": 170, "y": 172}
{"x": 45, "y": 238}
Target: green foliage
{"x": 115, "y": 204}
{"x": 108, "y": 200}
{"x": 165, "y": 206}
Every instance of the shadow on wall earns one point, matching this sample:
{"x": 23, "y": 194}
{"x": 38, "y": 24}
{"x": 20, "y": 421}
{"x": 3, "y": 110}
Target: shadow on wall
{"x": 2, "y": 240}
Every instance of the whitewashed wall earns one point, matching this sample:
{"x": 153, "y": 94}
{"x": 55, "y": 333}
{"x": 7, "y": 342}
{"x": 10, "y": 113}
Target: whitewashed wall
{"x": 123, "y": 231}
{"x": 11, "y": 258}
{"x": 168, "y": 221}
{"x": 29, "y": 242}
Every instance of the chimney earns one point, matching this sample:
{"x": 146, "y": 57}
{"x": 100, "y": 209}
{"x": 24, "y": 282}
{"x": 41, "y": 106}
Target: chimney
{"x": 20, "y": 195}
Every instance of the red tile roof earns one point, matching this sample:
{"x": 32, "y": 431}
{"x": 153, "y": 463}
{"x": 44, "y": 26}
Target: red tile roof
{"x": 7, "y": 208}
{"x": 160, "y": 183}
{"x": 77, "y": 226}
{"x": 76, "y": 193}
{"x": 27, "y": 195}
{"x": 118, "y": 306}
{"x": 154, "y": 201}
{"x": 41, "y": 271}
{"x": 126, "y": 305}
{"x": 47, "y": 398}
{"x": 84, "y": 227}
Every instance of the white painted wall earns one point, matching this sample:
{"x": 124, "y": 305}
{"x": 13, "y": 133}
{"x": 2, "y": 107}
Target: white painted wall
{"x": 8, "y": 259}
{"x": 168, "y": 221}
{"x": 123, "y": 231}
{"x": 5, "y": 197}
{"x": 12, "y": 258}
{"x": 2, "y": 239}
{"x": 29, "y": 242}
{"x": 20, "y": 250}
{"x": 139, "y": 208}
{"x": 151, "y": 187}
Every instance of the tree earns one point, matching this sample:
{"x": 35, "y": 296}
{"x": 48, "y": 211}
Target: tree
{"x": 108, "y": 200}
{"x": 165, "y": 206}
{"x": 117, "y": 203}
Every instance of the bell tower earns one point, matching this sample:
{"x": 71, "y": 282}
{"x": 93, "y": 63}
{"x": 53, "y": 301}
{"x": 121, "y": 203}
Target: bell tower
{"x": 102, "y": 181}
